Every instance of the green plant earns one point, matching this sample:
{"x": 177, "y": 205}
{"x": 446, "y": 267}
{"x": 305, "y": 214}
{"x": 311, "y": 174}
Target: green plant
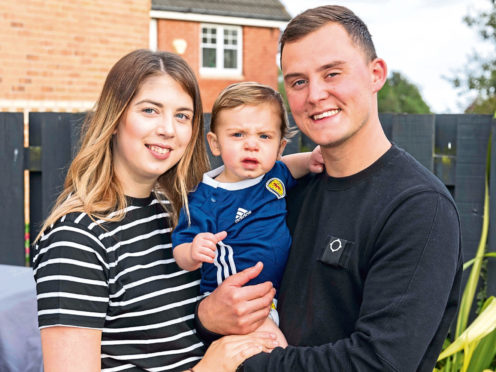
{"x": 474, "y": 347}
{"x": 477, "y": 342}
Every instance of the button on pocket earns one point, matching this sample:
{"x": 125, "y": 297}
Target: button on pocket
{"x": 335, "y": 251}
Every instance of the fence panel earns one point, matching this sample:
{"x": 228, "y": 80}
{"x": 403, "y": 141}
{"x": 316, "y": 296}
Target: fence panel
{"x": 57, "y": 135}
{"x": 491, "y": 266}
{"x": 387, "y": 124}
{"x": 471, "y": 148}
{"x": 12, "y": 189}
{"x": 453, "y": 146}
{"x": 415, "y": 134}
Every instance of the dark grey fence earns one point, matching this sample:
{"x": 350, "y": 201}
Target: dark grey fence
{"x": 454, "y": 147}
{"x": 11, "y": 189}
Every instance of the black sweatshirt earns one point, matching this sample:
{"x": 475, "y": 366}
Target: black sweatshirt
{"x": 373, "y": 278}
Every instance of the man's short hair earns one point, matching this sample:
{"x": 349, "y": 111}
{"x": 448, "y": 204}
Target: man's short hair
{"x": 313, "y": 19}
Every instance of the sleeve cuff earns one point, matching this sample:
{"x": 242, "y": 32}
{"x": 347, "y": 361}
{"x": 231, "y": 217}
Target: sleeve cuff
{"x": 256, "y": 363}
{"x": 206, "y": 336}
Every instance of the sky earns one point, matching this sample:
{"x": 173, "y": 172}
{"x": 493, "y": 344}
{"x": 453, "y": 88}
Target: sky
{"x": 422, "y": 39}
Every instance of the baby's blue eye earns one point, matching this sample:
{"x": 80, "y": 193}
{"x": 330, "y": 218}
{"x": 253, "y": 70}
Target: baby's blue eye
{"x": 264, "y": 136}
{"x": 237, "y": 134}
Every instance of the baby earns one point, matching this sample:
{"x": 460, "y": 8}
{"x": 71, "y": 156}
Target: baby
{"x": 237, "y": 215}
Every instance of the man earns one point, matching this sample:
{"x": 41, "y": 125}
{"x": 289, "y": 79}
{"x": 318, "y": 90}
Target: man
{"x": 373, "y": 278}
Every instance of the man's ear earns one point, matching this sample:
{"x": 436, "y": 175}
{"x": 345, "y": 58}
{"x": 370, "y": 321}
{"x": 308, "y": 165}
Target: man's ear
{"x": 213, "y": 143}
{"x": 378, "y": 69}
{"x": 282, "y": 146}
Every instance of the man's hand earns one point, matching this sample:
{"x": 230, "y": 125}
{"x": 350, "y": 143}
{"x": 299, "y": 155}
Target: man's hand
{"x": 234, "y": 309}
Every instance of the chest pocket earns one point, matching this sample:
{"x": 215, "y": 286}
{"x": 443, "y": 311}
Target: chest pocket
{"x": 336, "y": 252}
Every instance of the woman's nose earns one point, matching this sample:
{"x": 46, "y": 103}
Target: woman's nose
{"x": 165, "y": 126}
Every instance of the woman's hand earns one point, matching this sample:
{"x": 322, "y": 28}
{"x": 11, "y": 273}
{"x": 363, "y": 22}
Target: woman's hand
{"x": 227, "y": 353}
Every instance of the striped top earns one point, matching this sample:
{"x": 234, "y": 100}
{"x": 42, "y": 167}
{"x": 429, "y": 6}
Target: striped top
{"x": 121, "y": 278}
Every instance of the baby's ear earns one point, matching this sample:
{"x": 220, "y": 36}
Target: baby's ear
{"x": 282, "y": 146}
{"x": 213, "y": 143}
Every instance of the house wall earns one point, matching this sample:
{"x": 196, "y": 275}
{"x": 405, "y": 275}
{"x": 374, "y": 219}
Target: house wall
{"x": 260, "y": 45}
{"x": 60, "y": 50}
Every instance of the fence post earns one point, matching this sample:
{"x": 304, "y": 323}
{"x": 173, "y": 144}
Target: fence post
{"x": 12, "y": 189}
{"x": 445, "y": 148}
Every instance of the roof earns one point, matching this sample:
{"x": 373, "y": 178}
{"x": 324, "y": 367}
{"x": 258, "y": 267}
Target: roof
{"x": 259, "y": 9}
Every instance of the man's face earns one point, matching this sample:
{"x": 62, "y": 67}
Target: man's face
{"x": 330, "y": 85}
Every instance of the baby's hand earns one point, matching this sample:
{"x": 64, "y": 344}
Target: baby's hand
{"x": 204, "y": 246}
{"x": 316, "y": 164}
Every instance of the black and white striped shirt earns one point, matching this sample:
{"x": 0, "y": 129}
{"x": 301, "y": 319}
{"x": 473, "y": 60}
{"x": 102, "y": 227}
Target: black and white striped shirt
{"x": 121, "y": 278}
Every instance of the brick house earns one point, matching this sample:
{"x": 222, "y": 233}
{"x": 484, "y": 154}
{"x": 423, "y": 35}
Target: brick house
{"x": 224, "y": 41}
{"x": 55, "y": 54}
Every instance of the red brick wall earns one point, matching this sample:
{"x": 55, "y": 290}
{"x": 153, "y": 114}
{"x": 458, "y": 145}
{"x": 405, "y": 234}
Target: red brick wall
{"x": 62, "y": 50}
{"x": 168, "y": 30}
{"x": 259, "y": 55}
{"x": 58, "y": 50}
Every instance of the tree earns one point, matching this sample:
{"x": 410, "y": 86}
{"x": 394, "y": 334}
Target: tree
{"x": 480, "y": 73}
{"x": 399, "y": 95}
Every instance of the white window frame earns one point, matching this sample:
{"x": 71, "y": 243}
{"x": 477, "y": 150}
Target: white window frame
{"x": 220, "y": 71}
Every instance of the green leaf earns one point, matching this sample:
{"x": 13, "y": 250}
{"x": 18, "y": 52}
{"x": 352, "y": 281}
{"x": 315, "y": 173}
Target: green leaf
{"x": 484, "y": 354}
{"x": 482, "y": 326}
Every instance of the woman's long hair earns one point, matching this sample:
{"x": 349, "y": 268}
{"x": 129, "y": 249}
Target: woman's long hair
{"x": 91, "y": 185}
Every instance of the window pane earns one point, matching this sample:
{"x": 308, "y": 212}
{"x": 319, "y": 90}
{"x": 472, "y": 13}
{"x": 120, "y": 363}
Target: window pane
{"x": 230, "y": 60}
{"x": 209, "y": 57}
{"x": 230, "y": 37}
{"x": 209, "y": 35}
{"x": 227, "y": 38}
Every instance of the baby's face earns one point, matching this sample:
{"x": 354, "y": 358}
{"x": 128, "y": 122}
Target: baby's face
{"x": 248, "y": 138}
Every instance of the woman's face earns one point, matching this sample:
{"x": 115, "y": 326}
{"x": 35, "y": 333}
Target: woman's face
{"x": 152, "y": 134}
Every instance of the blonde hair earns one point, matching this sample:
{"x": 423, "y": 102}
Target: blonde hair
{"x": 250, "y": 93}
{"x": 91, "y": 185}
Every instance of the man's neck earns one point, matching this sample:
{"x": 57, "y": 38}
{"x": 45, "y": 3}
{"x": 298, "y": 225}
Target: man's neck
{"x": 356, "y": 153}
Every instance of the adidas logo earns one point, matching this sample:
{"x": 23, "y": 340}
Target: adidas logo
{"x": 240, "y": 214}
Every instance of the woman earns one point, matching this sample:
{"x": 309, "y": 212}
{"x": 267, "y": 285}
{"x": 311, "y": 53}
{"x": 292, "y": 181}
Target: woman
{"x": 110, "y": 294}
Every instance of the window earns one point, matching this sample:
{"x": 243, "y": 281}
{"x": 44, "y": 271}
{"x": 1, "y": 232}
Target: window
{"x": 221, "y": 48}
